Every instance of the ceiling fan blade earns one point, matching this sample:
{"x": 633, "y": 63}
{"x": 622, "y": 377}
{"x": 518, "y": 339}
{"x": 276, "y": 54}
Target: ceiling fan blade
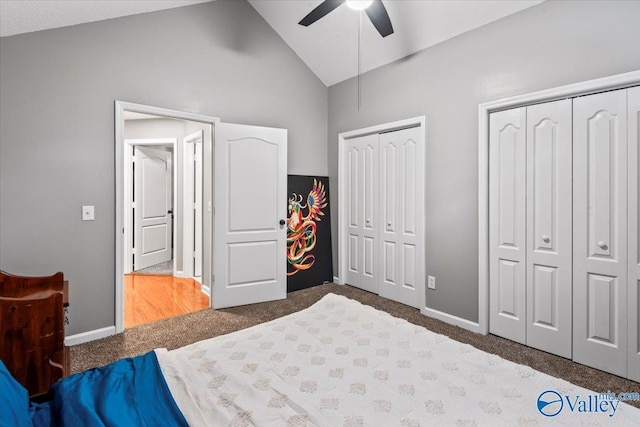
{"x": 324, "y": 8}
{"x": 380, "y": 18}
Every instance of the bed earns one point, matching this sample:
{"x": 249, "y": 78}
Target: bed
{"x": 336, "y": 363}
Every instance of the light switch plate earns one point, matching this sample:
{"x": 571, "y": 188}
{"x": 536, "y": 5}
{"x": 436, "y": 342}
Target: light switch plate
{"x": 431, "y": 282}
{"x": 88, "y": 213}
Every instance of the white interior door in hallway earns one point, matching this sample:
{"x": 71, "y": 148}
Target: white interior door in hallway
{"x": 152, "y": 200}
{"x": 384, "y": 174}
{"x": 250, "y": 215}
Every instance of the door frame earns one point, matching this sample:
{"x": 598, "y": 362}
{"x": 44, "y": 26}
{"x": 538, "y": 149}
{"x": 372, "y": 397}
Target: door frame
{"x": 129, "y": 180}
{"x": 342, "y": 193}
{"x": 618, "y": 81}
{"x": 120, "y": 108}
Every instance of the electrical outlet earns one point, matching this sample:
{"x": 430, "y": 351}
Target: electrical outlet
{"x": 88, "y": 213}
{"x": 431, "y": 283}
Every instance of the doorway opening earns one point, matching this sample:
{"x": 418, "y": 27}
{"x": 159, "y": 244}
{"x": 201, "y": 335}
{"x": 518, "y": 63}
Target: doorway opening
{"x": 164, "y": 170}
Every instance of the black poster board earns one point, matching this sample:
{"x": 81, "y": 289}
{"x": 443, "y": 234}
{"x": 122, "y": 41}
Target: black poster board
{"x": 309, "y": 261}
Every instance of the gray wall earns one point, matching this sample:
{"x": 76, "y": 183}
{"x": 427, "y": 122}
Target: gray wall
{"x": 57, "y": 92}
{"x": 549, "y": 45}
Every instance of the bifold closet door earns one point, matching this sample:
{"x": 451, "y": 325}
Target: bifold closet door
{"x": 401, "y": 201}
{"x": 600, "y": 231}
{"x": 633, "y": 114}
{"x": 549, "y": 237}
{"x": 507, "y": 228}
{"x": 362, "y": 212}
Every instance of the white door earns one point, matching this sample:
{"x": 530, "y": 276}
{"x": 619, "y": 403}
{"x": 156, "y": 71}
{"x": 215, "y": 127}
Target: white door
{"x": 401, "y": 210}
{"x": 362, "y": 212}
{"x": 250, "y": 169}
{"x": 507, "y": 216}
{"x": 633, "y": 113}
{"x": 600, "y": 231}
{"x": 152, "y": 202}
{"x": 549, "y": 236}
{"x": 193, "y": 236}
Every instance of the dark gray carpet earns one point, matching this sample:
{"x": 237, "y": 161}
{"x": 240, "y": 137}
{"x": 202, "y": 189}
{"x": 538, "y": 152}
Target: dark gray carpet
{"x": 179, "y": 331}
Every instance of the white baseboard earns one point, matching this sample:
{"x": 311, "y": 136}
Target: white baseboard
{"x": 96, "y": 334}
{"x": 337, "y": 281}
{"x": 452, "y": 320}
{"x": 205, "y": 290}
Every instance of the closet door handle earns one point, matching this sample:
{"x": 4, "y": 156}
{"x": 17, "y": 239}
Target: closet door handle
{"x": 389, "y": 224}
{"x": 603, "y": 246}
{"x": 546, "y": 239}
{"x": 368, "y": 220}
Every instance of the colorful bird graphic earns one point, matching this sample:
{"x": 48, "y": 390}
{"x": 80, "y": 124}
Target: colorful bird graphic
{"x": 301, "y": 230}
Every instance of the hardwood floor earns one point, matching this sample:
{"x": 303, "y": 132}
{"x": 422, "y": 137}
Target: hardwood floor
{"x": 151, "y": 298}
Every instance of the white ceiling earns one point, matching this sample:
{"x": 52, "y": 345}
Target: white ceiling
{"x": 329, "y": 47}
{"x": 25, "y": 16}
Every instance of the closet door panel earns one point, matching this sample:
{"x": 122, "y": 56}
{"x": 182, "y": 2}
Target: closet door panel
{"x": 354, "y": 154}
{"x": 549, "y": 237}
{"x": 401, "y": 200}
{"x": 370, "y": 186}
{"x": 389, "y": 200}
{"x": 507, "y": 217}
{"x": 600, "y": 231}
{"x": 362, "y": 161}
{"x": 545, "y": 310}
{"x": 369, "y": 257}
{"x": 409, "y": 186}
{"x": 509, "y": 274}
{"x": 354, "y": 264}
{"x": 389, "y": 263}
{"x": 389, "y": 166}
{"x": 354, "y": 161}
{"x": 409, "y": 263}
{"x": 602, "y": 311}
{"x": 370, "y": 211}
{"x": 633, "y": 156}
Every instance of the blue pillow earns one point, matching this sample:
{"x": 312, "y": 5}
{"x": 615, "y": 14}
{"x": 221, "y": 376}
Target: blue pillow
{"x": 14, "y": 401}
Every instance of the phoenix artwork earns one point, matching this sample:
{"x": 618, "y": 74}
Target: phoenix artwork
{"x": 301, "y": 228}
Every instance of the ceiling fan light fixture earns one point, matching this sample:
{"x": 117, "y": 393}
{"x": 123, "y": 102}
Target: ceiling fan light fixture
{"x": 359, "y": 4}
{"x": 376, "y": 12}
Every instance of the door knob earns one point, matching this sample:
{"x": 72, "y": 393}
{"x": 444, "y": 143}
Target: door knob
{"x": 368, "y": 220}
{"x": 283, "y": 222}
{"x": 603, "y": 246}
{"x": 546, "y": 239}
{"x": 389, "y": 224}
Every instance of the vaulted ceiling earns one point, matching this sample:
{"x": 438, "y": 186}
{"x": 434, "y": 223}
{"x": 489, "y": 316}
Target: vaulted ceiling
{"x": 25, "y": 16}
{"x": 330, "y": 46}
{"x": 337, "y": 47}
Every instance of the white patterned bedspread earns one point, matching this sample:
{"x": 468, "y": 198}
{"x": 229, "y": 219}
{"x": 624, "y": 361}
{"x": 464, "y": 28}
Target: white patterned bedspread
{"x": 341, "y": 363}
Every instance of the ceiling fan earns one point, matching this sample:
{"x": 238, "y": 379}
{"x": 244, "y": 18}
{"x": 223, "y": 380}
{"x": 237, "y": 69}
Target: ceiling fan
{"x": 375, "y": 10}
